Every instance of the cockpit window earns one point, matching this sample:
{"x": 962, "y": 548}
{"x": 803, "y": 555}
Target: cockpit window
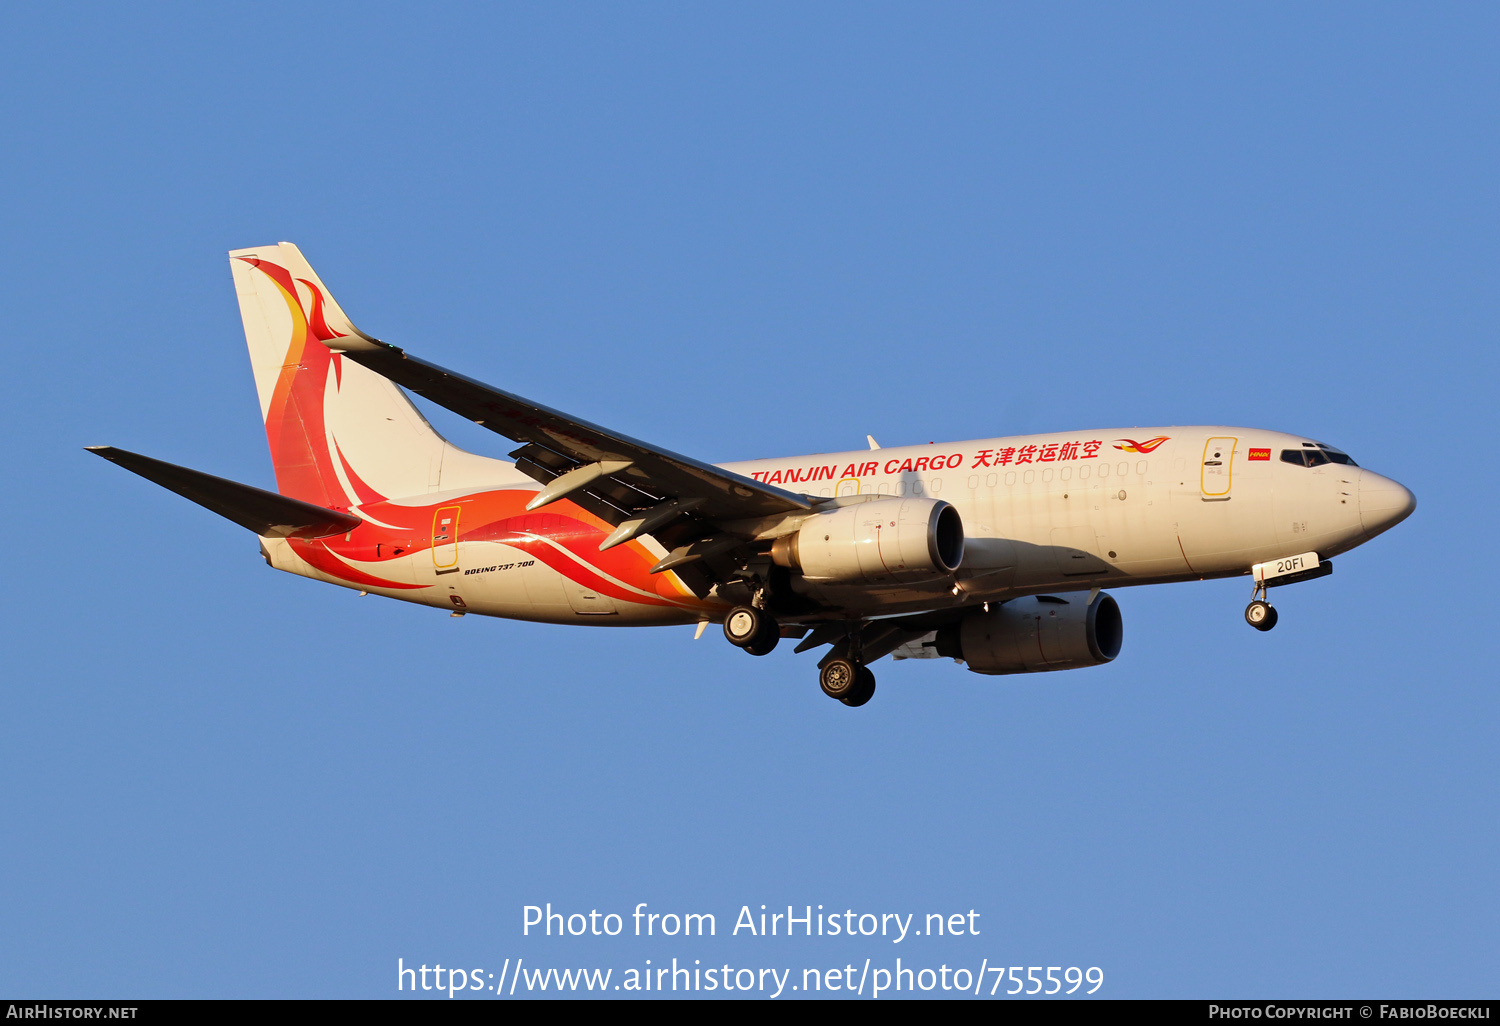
{"x": 1304, "y": 457}
{"x": 1316, "y": 456}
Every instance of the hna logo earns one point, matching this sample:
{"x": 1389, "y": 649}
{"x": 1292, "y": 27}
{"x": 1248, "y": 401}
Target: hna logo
{"x": 1131, "y": 445}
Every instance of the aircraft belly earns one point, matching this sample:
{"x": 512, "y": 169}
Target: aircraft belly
{"x": 866, "y": 600}
{"x": 504, "y": 581}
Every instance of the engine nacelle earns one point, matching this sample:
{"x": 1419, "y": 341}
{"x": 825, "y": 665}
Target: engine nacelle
{"x": 1036, "y": 633}
{"x": 877, "y": 542}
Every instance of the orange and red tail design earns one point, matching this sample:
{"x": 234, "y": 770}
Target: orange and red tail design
{"x": 340, "y": 435}
{"x": 295, "y": 426}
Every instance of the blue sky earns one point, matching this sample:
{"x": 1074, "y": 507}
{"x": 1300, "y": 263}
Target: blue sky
{"x": 745, "y": 231}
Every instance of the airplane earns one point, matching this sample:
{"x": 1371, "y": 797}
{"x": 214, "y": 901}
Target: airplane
{"x": 994, "y": 552}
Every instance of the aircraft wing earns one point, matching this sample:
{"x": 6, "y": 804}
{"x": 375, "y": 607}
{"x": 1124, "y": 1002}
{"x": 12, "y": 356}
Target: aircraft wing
{"x": 560, "y": 443}
{"x": 632, "y": 484}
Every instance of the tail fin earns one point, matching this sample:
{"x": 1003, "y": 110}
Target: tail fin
{"x": 340, "y": 435}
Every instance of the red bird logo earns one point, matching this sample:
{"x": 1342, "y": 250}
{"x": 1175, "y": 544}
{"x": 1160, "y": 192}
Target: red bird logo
{"x": 1131, "y": 445}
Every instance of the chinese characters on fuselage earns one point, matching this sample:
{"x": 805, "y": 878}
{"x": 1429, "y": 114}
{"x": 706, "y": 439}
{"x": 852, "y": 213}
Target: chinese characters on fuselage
{"x": 1046, "y": 452}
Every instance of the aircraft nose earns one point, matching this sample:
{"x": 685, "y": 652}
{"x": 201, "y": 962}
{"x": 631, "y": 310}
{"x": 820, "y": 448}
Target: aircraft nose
{"x": 1383, "y": 503}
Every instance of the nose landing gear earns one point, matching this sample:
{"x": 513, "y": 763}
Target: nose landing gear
{"x": 1260, "y": 614}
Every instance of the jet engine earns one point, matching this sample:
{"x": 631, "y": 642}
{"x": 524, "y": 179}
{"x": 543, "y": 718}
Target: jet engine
{"x": 1039, "y": 632}
{"x": 877, "y": 542}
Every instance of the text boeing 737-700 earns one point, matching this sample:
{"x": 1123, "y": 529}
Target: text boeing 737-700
{"x": 992, "y": 551}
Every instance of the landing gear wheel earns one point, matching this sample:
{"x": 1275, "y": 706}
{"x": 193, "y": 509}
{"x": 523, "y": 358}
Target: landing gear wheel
{"x": 864, "y": 689}
{"x": 1260, "y": 615}
{"x": 766, "y": 639}
{"x": 839, "y": 678}
{"x": 752, "y": 630}
{"x": 744, "y": 625}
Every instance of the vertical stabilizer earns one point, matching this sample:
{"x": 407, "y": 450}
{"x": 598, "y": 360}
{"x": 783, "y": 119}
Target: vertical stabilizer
{"x": 340, "y": 435}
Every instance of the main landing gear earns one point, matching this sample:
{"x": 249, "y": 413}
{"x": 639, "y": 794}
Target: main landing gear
{"x": 751, "y": 629}
{"x": 1260, "y": 614}
{"x": 850, "y": 682}
{"x": 757, "y": 632}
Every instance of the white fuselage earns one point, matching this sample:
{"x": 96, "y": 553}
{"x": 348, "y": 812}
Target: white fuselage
{"x": 1195, "y": 506}
{"x": 1053, "y": 512}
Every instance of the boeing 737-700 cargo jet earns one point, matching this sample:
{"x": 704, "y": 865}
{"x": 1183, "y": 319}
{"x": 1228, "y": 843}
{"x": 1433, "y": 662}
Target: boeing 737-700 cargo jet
{"x": 993, "y": 551}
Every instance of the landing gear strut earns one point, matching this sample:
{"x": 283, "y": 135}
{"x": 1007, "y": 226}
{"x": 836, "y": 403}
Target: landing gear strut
{"x": 848, "y": 681}
{"x": 751, "y": 629}
{"x": 1260, "y": 614}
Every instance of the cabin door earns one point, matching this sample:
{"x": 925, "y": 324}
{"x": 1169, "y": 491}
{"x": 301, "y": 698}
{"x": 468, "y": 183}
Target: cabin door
{"x": 1217, "y": 473}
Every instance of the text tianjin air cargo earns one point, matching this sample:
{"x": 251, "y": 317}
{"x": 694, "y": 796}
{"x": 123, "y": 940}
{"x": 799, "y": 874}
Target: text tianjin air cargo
{"x": 992, "y": 551}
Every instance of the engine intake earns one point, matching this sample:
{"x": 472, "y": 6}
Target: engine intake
{"x": 1037, "y": 633}
{"x": 876, "y": 542}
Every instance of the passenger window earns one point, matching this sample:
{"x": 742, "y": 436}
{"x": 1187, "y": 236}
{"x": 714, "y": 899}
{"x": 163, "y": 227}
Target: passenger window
{"x": 1010, "y": 478}
{"x": 1028, "y": 477}
{"x": 1083, "y": 472}
{"x": 1140, "y": 467}
{"x": 973, "y": 480}
{"x": 1047, "y": 474}
{"x": 1123, "y": 469}
{"x": 1104, "y": 470}
{"x": 1066, "y": 473}
{"x": 992, "y": 479}
{"x": 935, "y": 485}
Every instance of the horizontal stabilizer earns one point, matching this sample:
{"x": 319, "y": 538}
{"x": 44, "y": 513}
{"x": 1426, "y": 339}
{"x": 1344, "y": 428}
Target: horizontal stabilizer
{"x": 266, "y": 513}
